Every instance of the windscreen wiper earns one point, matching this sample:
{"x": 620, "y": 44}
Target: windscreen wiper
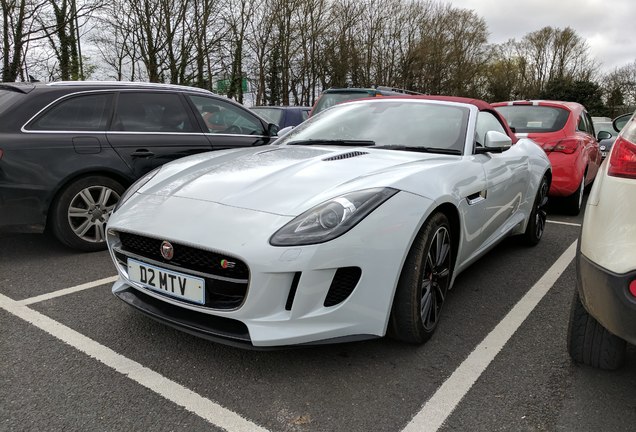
{"x": 336, "y": 142}
{"x": 422, "y": 149}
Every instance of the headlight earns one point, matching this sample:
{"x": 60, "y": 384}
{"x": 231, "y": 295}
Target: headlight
{"x": 331, "y": 219}
{"x": 135, "y": 187}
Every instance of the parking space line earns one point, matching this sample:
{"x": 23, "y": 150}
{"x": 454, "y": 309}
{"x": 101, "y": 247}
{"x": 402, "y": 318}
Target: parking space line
{"x": 67, "y": 291}
{"x": 440, "y": 406}
{"x": 170, "y": 390}
{"x": 564, "y": 223}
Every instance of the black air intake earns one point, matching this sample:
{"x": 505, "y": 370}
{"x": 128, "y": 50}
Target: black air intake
{"x": 345, "y": 156}
{"x": 342, "y": 285}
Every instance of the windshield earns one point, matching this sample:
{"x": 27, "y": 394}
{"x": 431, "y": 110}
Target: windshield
{"x": 328, "y": 100}
{"x": 413, "y": 123}
{"x": 272, "y": 115}
{"x": 534, "y": 118}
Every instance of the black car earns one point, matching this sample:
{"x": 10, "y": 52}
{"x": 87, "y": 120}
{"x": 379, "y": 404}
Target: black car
{"x": 607, "y": 131}
{"x": 283, "y": 116}
{"x": 68, "y": 150}
{"x": 334, "y": 96}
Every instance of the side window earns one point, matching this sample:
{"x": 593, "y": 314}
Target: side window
{"x": 151, "y": 112}
{"x": 78, "y": 113}
{"x": 486, "y": 122}
{"x": 583, "y": 125}
{"x": 304, "y": 115}
{"x": 590, "y": 125}
{"x": 226, "y": 118}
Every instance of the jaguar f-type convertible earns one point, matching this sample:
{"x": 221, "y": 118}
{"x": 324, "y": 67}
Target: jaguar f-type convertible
{"x": 352, "y": 226}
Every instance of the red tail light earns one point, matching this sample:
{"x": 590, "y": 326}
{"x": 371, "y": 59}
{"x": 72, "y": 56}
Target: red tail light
{"x": 567, "y": 146}
{"x": 622, "y": 161}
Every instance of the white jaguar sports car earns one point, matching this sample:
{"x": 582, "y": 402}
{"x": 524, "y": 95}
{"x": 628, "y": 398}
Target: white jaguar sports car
{"x": 353, "y": 225}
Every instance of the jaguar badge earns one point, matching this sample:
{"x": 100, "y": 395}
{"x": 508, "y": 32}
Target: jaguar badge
{"x": 167, "y": 251}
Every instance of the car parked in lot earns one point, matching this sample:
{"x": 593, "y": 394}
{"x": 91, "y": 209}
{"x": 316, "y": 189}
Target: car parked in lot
{"x": 333, "y": 96}
{"x": 565, "y": 131}
{"x": 353, "y": 225}
{"x": 68, "y": 150}
{"x": 283, "y": 116}
{"x": 603, "y": 314}
{"x": 606, "y": 135}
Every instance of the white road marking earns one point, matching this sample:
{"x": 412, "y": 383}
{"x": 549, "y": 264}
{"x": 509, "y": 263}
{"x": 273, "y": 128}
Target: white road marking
{"x": 66, "y": 291}
{"x": 564, "y": 223}
{"x": 440, "y": 406}
{"x": 193, "y": 402}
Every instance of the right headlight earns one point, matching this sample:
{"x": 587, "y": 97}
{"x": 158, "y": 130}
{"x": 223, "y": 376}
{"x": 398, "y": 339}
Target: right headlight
{"x": 135, "y": 187}
{"x": 332, "y": 218}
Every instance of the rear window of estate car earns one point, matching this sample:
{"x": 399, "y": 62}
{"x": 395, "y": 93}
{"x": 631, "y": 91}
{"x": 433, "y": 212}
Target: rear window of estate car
{"x": 78, "y": 113}
{"x": 534, "y": 118}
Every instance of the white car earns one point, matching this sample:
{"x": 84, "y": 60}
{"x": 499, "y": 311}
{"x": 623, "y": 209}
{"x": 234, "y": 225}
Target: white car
{"x": 603, "y": 314}
{"x": 353, "y": 225}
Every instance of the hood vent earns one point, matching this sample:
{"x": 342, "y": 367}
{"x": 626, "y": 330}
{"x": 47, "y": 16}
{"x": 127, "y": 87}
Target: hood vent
{"x": 345, "y": 156}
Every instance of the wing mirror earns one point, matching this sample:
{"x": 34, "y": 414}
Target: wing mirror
{"x": 497, "y": 141}
{"x": 273, "y": 129}
{"x": 285, "y": 130}
{"x": 603, "y": 135}
{"x": 620, "y": 121}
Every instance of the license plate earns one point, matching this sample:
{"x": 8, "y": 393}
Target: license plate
{"x": 168, "y": 282}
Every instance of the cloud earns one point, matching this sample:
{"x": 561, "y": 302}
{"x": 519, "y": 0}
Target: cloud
{"x": 601, "y": 23}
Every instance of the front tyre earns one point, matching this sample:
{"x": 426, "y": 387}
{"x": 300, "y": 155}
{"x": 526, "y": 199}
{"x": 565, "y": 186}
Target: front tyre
{"x": 80, "y": 213}
{"x": 538, "y": 216}
{"x": 590, "y": 343}
{"x": 423, "y": 283}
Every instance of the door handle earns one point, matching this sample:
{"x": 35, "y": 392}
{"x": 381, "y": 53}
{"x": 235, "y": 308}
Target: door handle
{"x": 142, "y": 153}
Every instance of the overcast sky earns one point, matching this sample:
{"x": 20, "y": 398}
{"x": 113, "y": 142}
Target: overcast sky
{"x": 606, "y": 25}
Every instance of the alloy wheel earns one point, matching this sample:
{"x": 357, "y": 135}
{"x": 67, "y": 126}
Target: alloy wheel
{"x": 436, "y": 277}
{"x": 540, "y": 213}
{"x": 89, "y": 211}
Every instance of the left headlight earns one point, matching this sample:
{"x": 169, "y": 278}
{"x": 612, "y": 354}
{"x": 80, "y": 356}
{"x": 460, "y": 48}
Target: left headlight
{"x": 331, "y": 219}
{"x": 135, "y": 187}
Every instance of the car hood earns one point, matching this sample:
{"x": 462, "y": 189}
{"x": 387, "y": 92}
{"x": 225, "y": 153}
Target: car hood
{"x": 286, "y": 180}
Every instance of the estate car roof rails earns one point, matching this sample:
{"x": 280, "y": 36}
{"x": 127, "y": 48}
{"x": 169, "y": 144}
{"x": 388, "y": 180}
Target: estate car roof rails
{"x": 127, "y": 84}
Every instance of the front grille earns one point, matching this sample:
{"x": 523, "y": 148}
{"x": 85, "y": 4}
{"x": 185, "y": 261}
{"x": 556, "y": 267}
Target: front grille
{"x": 185, "y": 256}
{"x": 342, "y": 285}
{"x": 224, "y": 288}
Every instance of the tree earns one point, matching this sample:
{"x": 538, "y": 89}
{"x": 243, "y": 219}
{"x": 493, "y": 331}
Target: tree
{"x": 587, "y": 93}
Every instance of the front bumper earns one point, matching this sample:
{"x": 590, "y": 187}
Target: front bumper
{"x": 605, "y": 295}
{"x": 286, "y": 298}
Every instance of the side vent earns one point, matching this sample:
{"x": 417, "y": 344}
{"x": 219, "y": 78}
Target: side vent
{"x": 292, "y": 291}
{"x": 345, "y": 156}
{"x": 342, "y": 285}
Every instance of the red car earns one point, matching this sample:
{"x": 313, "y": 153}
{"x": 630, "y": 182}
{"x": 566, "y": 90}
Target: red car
{"x": 566, "y": 133}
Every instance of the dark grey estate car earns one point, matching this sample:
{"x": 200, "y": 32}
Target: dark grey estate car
{"x": 68, "y": 150}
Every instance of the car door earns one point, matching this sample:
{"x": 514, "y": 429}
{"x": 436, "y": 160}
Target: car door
{"x": 507, "y": 177}
{"x": 228, "y": 125}
{"x": 150, "y": 128}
